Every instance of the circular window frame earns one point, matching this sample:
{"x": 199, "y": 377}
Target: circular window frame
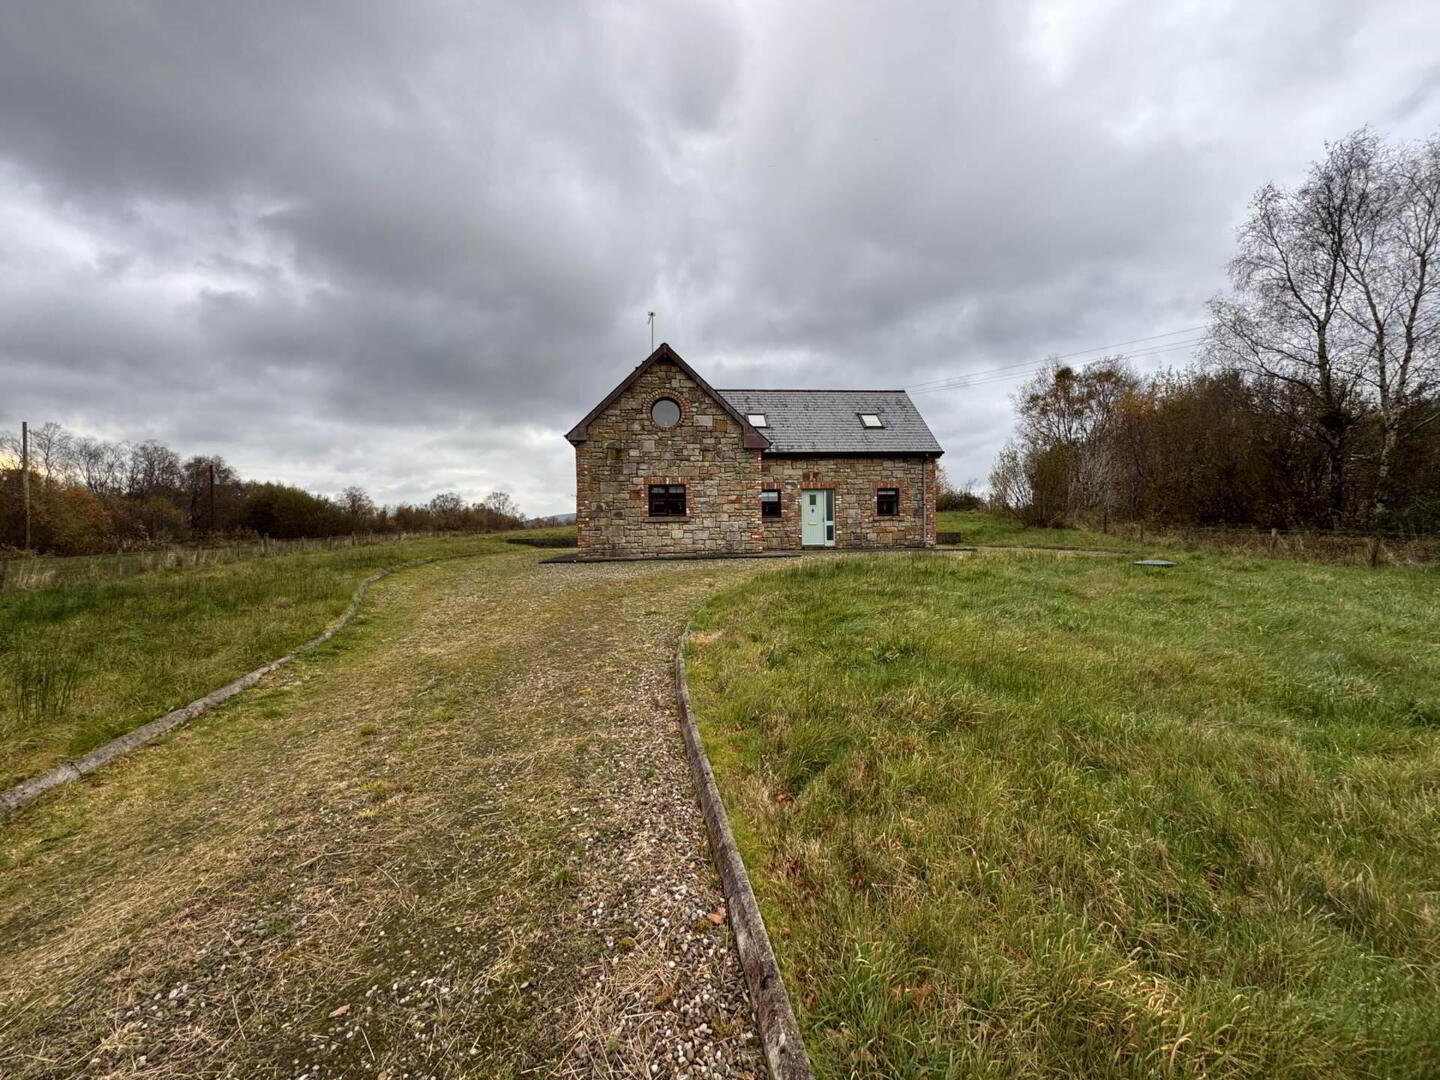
{"x": 679, "y": 412}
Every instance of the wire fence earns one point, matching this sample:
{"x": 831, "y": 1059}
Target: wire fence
{"x": 46, "y": 571}
{"x": 1339, "y": 548}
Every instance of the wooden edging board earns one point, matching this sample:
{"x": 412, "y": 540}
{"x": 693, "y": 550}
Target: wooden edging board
{"x": 28, "y": 790}
{"x": 774, "y": 1017}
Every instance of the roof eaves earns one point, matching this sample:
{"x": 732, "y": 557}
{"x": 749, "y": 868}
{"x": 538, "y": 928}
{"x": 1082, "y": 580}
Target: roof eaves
{"x": 885, "y": 452}
{"x": 798, "y": 390}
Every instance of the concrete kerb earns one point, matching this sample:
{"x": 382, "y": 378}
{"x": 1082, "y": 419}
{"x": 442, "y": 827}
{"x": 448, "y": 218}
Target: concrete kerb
{"x": 27, "y": 791}
{"x": 774, "y": 1017}
{"x": 680, "y": 557}
{"x": 788, "y": 553}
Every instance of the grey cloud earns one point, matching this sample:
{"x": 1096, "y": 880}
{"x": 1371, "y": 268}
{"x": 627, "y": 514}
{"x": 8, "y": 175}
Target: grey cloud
{"x": 407, "y": 246}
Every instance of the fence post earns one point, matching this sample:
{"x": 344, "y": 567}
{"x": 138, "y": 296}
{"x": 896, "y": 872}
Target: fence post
{"x": 25, "y": 475}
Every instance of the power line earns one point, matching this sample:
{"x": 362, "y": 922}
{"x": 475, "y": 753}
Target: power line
{"x": 1037, "y": 364}
{"x": 945, "y": 383}
{"x": 986, "y": 378}
{"x": 1177, "y": 347}
{"x": 998, "y": 375}
{"x": 1005, "y": 374}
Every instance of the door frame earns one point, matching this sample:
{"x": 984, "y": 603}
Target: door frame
{"x": 827, "y": 523}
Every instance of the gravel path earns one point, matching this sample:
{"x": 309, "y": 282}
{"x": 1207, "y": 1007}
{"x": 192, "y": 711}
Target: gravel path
{"x": 665, "y": 995}
{"x": 463, "y": 842}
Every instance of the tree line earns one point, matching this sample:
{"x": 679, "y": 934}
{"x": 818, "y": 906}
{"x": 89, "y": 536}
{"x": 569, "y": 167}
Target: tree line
{"x": 92, "y": 496}
{"x": 1316, "y": 403}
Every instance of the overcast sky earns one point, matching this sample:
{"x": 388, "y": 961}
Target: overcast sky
{"x": 407, "y": 245}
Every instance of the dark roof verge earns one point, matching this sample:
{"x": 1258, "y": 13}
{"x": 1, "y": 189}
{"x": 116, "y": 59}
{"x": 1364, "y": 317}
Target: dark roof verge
{"x": 753, "y": 440}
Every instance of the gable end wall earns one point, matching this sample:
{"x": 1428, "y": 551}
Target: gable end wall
{"x": 625, "y": 452}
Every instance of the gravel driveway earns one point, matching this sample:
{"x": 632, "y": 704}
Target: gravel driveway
{"x": 462, "y": 841}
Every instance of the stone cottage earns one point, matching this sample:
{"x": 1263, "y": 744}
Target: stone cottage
{"x": 667, "y": 465}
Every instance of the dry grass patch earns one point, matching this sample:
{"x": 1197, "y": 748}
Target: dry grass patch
{"x": 457, "y": 841}
{"x": 83, "y": 663}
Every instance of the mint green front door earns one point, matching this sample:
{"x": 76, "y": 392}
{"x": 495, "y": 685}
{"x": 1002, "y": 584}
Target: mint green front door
{"x": 817, "y": 518}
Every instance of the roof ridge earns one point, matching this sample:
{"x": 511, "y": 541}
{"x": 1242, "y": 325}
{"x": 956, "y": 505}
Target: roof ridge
{"x": 803, "y": 390}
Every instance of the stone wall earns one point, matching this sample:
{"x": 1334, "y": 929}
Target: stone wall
{"x": 625, "y": 452}
{"x": 854, "y": 481}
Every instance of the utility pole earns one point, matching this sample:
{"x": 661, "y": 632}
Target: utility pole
{"x": 212, "y": 496}
{"x": 25, "y": 475}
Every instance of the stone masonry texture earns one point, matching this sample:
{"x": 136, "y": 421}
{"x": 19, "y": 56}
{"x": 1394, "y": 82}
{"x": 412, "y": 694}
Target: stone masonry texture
{"x": 855, "y": 481}
{"x": 625, "y": 452}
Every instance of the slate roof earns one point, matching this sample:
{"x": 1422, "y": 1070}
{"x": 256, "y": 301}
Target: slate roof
{"x": 827, "y": 421}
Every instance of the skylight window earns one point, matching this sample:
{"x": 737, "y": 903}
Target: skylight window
{"x": 869, "y": 420}
{"x": 756, "y": 419}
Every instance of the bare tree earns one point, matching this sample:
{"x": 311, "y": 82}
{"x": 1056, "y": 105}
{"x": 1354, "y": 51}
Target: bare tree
{"x": 153, "y": 469}
{"x": 100, "y": 465}
{"x": 1286, "y": 323}
{"x": 447, "y": 510}
{"x": 952, "y": 496}
{"x": 1067, "y": 415}
{"x": 447, "y": 502}
{"x": 209, "y": 480}
{"x": 358, "y": 507}
{"x": 1323, "y": 405}
{"x": 1010, "y": 491}
{"x": 501, "y": 502}
{"x": 1336, "y": 306}
{"x": 50, "y": 452}
{"x": 1067, "y": 406}
{"x": 1392, "y": 245}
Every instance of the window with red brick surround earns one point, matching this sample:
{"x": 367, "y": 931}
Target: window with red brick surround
{"x": 667, "y": 500}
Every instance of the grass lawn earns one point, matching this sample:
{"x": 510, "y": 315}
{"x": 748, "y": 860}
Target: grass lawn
{"x": 457, "y": 841}
{"x": 977, "y": 528}
{"x": 86, "y": 662}
{"x": 1025, "y": 814}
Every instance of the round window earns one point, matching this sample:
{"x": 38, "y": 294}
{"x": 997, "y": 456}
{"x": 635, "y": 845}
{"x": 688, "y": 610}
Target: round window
{"x": 665, "y": 412}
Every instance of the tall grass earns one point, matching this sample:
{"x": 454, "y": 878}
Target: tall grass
{"x": 1038, "y": 815}
{"x": 38, "y": 677}
{"x": 86, "y": 662}
{"x": 48, "y": 571}
{"x": 970, "y": 527}
{"x": 967, "y": 527}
